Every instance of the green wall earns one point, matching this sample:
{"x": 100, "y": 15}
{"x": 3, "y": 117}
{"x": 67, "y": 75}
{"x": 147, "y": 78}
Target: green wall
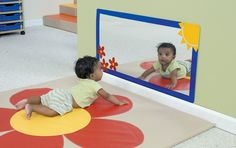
{"x": 215, "y": 84}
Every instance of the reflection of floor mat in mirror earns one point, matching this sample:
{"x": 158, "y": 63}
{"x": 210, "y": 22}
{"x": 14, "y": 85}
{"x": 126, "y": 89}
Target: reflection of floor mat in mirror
{"x": 183, "y": 84}
{"x": 136, "y": 68}
{"x": 142, "y": 123}
{"x": 147, "y": 65}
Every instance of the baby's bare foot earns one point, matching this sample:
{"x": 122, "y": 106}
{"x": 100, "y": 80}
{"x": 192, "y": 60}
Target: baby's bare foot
{"x": 28, "y": 110}
{"x": 21, "y": 104}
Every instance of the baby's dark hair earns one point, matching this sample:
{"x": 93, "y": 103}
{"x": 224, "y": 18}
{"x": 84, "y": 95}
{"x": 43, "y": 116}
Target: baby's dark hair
{"x": 85, "y": 66}
{"x": 167, "y": 45}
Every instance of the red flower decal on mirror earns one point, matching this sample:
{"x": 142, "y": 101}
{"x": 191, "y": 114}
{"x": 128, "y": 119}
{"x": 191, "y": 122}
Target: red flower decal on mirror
{"x": 113, "y": 63}
{"x": 104, "y": 65}
{"x": 101, "y": 51}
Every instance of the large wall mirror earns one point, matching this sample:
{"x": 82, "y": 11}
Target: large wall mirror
{"x": 127, "y": 46}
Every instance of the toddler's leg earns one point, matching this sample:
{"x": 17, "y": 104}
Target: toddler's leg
{"x": 32, "y": 100}
{"x": 28, "y": 110}
{"x": 21, "y": 104}
{"x": 40, "y": 109}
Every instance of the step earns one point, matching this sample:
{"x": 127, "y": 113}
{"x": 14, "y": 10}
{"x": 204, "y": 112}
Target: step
{"x": 61, "y": 21}
{"x": 69, "y": 9}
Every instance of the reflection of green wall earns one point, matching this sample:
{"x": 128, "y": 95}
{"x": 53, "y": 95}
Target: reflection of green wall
{"x": 215, "y": 81}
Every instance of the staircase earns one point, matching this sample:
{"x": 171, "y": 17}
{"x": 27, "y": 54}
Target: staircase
{"x": 66, "y": 20}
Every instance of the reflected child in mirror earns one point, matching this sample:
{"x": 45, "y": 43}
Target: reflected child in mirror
{"x": 168, "y": 66}
{"x": 60, "y": 101}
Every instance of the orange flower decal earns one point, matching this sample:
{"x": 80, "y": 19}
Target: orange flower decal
{"x": 101, "y": 51}
{"x": 113, "y": 63}
{"x": 104, "y": 65}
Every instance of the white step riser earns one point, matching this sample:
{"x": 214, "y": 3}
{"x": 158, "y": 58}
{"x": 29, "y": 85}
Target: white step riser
{"x": 68, "y": 10}
{"x": 60, "y": 24}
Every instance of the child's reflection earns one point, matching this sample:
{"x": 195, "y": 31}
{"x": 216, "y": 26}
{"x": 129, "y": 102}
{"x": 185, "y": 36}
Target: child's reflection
{"x": 168, "y": 66}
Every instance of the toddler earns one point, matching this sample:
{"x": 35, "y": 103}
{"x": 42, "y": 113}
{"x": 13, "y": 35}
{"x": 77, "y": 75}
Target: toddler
{"x": 168, "y": 66}
{"x": 60, "y": 101}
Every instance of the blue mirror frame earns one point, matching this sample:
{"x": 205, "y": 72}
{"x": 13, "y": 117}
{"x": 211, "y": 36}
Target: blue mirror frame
{"x": 158, "y": 21}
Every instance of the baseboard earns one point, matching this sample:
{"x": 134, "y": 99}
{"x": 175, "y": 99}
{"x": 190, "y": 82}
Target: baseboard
{"x": 36, "y": 22}
{"x": 221, "y": 121}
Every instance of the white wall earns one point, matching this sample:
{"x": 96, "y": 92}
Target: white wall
{"x": 36, "y": 9}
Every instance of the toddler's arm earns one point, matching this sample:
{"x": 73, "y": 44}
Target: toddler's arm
{"x": 146, "y": 73}
{"x": 111, "y": 98}
{"x": 173, "y": 79}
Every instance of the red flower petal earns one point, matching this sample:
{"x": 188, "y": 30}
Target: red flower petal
{"x": 113, "y": 59}
{"x": 108, "y": 133}
{"x": 183, "y": 84}
{"x": 19, "y": 140}
{"x": 5, "y": 116}
{"x": 114, "y": 68}
{"x": 101, "y": 107}
{"x": 28, "y": 93}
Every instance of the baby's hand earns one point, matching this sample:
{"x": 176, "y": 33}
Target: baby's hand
{"x": 141, "y": 77}
{"x": 123, "y": 102}
{"x": 171, "y": 86}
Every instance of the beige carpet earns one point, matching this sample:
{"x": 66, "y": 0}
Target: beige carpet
{"x": 162, "y": 126}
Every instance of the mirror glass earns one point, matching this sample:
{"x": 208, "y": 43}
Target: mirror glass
{"x": 127, "y": 46}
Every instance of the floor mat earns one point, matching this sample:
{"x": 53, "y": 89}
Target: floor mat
{"x": 149, "y": 124}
